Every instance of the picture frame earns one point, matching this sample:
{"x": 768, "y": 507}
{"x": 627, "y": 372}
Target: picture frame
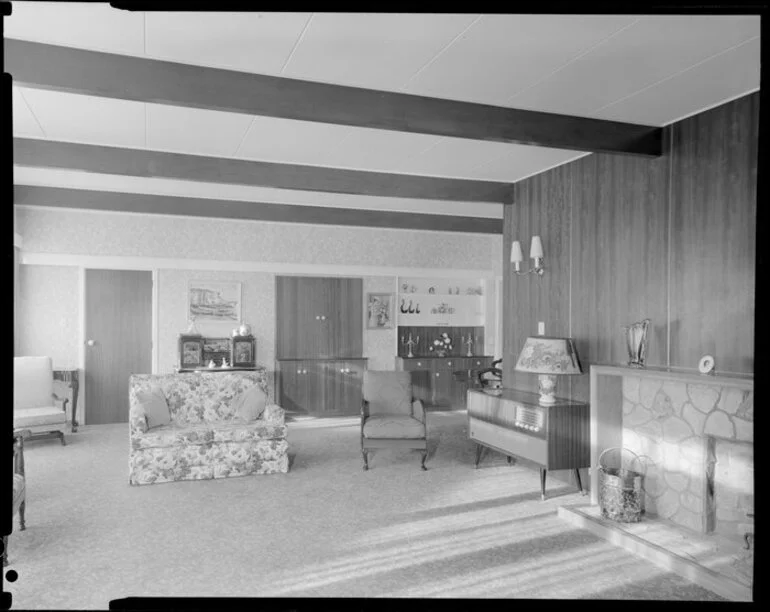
{"x": 244, "y": 352}
{"x": 190, "y": 351}
{"x": 379, "y": 310}
{"x": 214, "y": 301}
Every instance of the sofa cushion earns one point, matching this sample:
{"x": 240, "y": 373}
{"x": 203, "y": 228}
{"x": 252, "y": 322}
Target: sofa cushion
{"x": 154, "y": 406}
{"x": 388, "y": 392}
{"x": 31, "y": 417}
{"x": 173, "y": 435}
{"x": 240, "y": 432}
{"x": 250, "y": 404}
{"x": 393, "y": 426}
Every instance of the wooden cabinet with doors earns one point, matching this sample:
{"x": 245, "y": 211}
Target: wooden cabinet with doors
{"x": 318, "y": 317}
{"x": 321, "y": 387}
{"x": 319, "y": 344}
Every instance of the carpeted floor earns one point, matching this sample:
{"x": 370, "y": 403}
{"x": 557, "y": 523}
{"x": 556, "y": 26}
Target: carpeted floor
{"x": 325, "y": 529}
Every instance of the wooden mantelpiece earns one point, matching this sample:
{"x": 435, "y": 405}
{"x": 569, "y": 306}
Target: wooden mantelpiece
{"x": 607, "y": 401}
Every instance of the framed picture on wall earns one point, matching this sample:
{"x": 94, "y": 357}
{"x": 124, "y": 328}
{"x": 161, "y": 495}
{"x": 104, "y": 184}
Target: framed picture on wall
{"x": 190, "y": 351}
{"x": 214, "y": 301}
{"x": 379, "y": 310}
{"x": 244, "y": 354}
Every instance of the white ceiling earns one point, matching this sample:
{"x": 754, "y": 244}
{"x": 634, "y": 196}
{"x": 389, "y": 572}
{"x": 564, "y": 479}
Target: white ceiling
{"x": 641, "y": 69}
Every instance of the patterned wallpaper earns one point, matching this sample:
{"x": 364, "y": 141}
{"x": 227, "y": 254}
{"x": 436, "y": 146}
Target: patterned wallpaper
{"x": 54, "y": 231}
{"x": 48, "y": 314}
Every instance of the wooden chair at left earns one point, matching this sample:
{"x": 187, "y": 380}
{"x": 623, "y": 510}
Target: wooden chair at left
{"x": 19, "y": 484}
{"x": 35, "y": 406}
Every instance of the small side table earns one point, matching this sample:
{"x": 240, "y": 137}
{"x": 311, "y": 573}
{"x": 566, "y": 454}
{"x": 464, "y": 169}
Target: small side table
{"x": 71, "y": 376}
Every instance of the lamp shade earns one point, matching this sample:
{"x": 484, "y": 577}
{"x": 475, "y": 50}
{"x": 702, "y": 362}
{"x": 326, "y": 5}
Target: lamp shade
{"x": 516, "y": 255}
{"x": 536, "y": 247}
{"x": 548, "y": 355}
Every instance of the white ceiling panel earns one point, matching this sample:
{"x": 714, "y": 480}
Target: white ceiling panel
{"x": 524, "y": 161}
{"x": 195, "y": 131}
{"x": 87, "y": 25}
{"x": 375, "y": 50}
{"x": 286, "y": 140}
{"x": 91, "y": 119}
{"x": 377, "y": 150}
{"x": 51, "y": 177}
{"x": 503, "y": 54}
{"x": 24, "y": 123}
{"x": 251, "y": 42}
{"x": 721, "y": 78}
{"x": 617, "y": 68}
{"x": 452, "y": 158}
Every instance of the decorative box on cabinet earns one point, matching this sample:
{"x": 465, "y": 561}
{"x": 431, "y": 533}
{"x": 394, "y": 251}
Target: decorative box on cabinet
{"x": 556, "y": 437}
{"x": 321, "y": 387}
{"x": 442, "y": 381}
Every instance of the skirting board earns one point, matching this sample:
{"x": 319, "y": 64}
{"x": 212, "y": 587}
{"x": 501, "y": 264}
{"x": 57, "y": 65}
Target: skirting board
{"x": 702, "y": 576}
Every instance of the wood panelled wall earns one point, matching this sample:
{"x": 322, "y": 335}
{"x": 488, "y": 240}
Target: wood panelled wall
{"x": 670, "y": 238}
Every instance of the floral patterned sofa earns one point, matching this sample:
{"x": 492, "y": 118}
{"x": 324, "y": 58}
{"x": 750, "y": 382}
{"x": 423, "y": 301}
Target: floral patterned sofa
{"x": 205, "y": 438}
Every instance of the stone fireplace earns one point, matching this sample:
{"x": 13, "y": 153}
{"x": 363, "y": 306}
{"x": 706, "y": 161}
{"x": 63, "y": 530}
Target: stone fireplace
{"x": 696, "y": 443}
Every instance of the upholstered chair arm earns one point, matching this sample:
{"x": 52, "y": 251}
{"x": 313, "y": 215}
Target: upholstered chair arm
{"x": 418, "y": 411}
{"x": 60, "y": 401}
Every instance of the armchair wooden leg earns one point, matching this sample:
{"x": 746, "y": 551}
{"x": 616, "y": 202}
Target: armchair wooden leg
{"x": 543, "y": 473}
{"x": 366, "y": 460}
{"x": 63, "y": 443}
{"x": 22, "y": 508}
{"x": 424, "y": 457}
{"x": 510, "y": 459}
{"x": 579, "y": 482}
{"x": 479, "y": 450}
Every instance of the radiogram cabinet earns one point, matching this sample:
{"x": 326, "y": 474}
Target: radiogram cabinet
{"x": 556, "y": 437}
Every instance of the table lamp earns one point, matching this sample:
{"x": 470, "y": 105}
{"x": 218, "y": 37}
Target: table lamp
{"x": 549, "y": 357}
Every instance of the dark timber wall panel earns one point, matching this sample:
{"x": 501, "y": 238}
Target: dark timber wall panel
{"x": 672, "y": 239}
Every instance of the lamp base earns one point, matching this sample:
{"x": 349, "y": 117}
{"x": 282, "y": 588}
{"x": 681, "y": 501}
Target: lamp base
{"x": 547, "y": 388}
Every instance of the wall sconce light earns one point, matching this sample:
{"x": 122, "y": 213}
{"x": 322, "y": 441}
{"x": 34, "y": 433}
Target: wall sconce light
{"x": 535, "y": 252}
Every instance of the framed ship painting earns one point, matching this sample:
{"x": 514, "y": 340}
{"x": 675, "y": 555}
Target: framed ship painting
{"x": 214, "y": 301}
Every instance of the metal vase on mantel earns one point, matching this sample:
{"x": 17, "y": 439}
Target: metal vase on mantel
{"x": 636, "y": 342}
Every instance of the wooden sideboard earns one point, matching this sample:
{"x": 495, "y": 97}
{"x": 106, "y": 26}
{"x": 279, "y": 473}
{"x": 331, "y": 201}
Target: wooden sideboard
{"x": 556, "y": 437}
{"x": 443, "y": 381}
{"x": 321, "y": 387}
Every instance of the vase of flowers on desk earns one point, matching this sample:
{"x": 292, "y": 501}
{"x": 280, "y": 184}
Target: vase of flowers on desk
{"x": 441, "y": 346}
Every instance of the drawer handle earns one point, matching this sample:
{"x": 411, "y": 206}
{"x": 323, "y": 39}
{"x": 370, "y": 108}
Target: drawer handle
{"x": 419, "y": 363}
{"x": 438, "y": 373}
{"x": 299, "y": 371}
{"x": 449, "y": 363}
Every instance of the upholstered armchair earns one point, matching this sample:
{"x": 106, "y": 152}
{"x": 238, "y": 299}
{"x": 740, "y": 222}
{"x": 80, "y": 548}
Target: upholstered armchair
{"x": 19, "y": 485}
{"x": 35, "y": 407}
{"x": 390, "y": 416}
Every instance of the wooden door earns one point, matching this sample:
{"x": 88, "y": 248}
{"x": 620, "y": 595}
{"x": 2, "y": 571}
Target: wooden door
{"x": 345, "y": 334}
{"x": 287, "y": 329}
{"x": 118, "y": 329}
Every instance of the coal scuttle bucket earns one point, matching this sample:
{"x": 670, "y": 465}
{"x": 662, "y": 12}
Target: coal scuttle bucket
{"x": 621, "y": 493}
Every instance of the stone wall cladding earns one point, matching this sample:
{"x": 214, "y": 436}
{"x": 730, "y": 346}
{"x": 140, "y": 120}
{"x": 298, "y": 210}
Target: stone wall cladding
{"x": 664, "y": 422}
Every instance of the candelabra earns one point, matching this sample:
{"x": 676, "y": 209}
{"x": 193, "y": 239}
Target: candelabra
{"x": 410, "y": 343}
{"x": 469, "y": 343}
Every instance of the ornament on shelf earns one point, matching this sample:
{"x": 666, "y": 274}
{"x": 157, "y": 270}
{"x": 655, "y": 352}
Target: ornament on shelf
{"x": 469, "y": 344}
{"x": 636, "y": 342}
{"x": 212, "y": 364}
{"x": 410, "y": 343}
{"x": 244, "y": 329}
{"x": 224, "y": 363}
{"x": 706, "y": 365}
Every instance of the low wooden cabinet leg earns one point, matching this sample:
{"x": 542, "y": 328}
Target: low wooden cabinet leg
{"x": 479, "y": 450}
{"x": 543, "y": 472}
{"x": 424, "y": 457}
{"x": 366, "y": 460}
{"x": 579, "y": 482}
{"x": 510, "y": 459}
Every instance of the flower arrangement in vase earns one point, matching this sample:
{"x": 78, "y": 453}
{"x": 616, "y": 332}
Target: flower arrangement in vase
{"x": 441, "y": 345}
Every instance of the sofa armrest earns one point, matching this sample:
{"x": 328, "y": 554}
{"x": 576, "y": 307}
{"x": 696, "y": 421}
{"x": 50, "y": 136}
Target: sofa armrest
{"x": 274, "y": 414}
{"x": 418, "y": 411}
{"x": 137, "y": 420}
{"x": 60, "y": 401}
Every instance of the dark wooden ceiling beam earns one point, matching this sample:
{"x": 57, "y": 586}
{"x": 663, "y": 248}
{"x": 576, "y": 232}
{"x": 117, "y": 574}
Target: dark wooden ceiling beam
{"x": 140, "y": 79}
{"x": 33, "y": 195}
{"x": 160, "y": 164}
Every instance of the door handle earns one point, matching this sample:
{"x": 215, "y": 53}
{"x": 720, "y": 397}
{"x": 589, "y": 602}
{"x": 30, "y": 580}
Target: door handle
{"x": 323, "y": 317}
{"x": 90, "y": 342}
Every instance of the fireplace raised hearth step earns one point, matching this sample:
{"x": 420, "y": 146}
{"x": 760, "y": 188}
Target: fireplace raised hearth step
{"x": 711, "y": 561}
